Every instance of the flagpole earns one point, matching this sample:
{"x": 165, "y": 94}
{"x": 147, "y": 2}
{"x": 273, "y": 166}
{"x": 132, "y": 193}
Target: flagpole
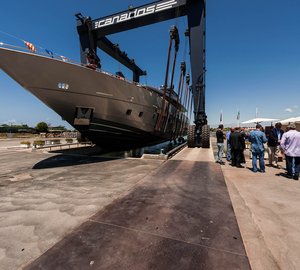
{"x": 238, "y": 118}
{"x": 221, "y": 117}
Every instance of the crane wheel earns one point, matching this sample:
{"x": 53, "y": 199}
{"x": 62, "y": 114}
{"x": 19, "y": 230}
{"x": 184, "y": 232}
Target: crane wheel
{"x": 205, "y": 140}
{"x": 191, "y": 136}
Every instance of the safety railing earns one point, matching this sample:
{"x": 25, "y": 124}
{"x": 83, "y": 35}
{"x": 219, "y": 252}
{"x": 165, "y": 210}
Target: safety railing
{"x": 165, "y": 156}
{"x": 51, "y": 55}
{"x": 43, "y": 52}
{"x": 62, "y": 146}
{"x": 39, "y": 52}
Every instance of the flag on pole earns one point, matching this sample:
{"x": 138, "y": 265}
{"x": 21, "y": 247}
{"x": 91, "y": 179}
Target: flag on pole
{"x": 30, "y": 46}
{"x": 65, "y": 59}
{"x": 238, "y": 116}
{"x": 49, "y": 52}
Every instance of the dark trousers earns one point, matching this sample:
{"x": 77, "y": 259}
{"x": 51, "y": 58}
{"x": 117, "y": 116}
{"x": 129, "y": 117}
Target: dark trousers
{"x": 292, "y": 165}
{"x": 236, "y": 157}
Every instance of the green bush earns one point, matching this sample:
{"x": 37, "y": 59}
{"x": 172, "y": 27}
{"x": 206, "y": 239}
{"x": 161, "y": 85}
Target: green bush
{"x": 69, "y": 140}
{"x": 26, "y": 142}
{"x": 39, "y": 143}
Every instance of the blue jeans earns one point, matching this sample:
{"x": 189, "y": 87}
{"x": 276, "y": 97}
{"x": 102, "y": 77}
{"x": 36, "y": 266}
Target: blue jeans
{"x": 220, "y": 151}
{"x": 260, "y": 156}
{"x": 292, "y": 165}
{"x": 228, "y": 152}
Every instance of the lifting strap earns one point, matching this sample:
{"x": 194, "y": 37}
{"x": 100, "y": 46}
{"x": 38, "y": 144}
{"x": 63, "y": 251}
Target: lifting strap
{"x": 165, "y": 107}
{"x": 191, "y": 104}
{"x": 179, "y": 98}
{"x": 189, "y": 97}
{"x": 187, "y": 82}
{"x": 181, "y": 112}
{"x": 176, "y": 46}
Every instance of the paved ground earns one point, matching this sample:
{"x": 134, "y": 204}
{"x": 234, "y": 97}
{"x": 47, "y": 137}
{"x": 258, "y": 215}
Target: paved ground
{"x": 267, "y": 206}
{"x": 178, "y": 217}
{"x": 45, "y": 197}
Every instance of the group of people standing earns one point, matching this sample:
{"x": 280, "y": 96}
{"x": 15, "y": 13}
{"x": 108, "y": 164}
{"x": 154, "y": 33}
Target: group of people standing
{"x": 277, "y": 140}
{"x": 236, "y": 145}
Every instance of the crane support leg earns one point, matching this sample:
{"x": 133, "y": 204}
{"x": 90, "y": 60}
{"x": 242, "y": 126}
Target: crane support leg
{"x": 198, "y": 134}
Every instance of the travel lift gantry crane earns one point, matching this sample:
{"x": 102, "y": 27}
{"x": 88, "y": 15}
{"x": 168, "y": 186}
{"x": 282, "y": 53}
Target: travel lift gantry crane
{"x": 92, "y": 34}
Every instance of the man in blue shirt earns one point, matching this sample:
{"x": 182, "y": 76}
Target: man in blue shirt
{"x": 257, "y": 139}
{"x": 228, "y": 148}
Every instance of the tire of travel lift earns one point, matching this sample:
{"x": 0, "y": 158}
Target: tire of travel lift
{"x": 205, "y": 136}
{"x": 191, "y": 136}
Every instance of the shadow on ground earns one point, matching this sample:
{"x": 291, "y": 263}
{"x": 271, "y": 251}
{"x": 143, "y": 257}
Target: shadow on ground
{"x": 68, "y": 160}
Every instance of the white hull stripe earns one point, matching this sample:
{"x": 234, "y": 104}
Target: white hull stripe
{"x": 104, "y": 94}
{"x": 112, "y": 127}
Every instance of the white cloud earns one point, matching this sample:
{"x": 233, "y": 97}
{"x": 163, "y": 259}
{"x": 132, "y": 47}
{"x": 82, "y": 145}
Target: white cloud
{"x": 289, "y": 110}
{"x": 295, "y": 106}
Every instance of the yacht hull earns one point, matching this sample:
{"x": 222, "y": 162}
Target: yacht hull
{"x": 111, "y": 112}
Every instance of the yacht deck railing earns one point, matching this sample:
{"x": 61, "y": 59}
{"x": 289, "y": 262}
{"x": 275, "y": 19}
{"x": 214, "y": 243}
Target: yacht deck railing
{"x": 43, "y": 52}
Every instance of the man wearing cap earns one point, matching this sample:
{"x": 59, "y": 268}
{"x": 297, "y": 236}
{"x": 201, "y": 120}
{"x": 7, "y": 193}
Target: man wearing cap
{"x": 290, "y": 143}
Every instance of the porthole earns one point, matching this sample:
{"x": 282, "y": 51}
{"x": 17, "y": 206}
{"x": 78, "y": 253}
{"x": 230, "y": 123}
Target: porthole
{"x": 128, "y": 112}
{"x": 63, "y": 86}
{"x": 141, "y": 114}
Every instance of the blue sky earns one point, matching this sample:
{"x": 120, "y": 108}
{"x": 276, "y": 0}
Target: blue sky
{"x": 253, "y": 53}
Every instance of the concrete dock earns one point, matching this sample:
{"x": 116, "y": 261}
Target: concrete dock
{"x": 80, "y": 212}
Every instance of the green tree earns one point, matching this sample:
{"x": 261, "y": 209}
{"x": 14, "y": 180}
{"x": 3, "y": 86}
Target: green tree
{"x": 42, "y": 127}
